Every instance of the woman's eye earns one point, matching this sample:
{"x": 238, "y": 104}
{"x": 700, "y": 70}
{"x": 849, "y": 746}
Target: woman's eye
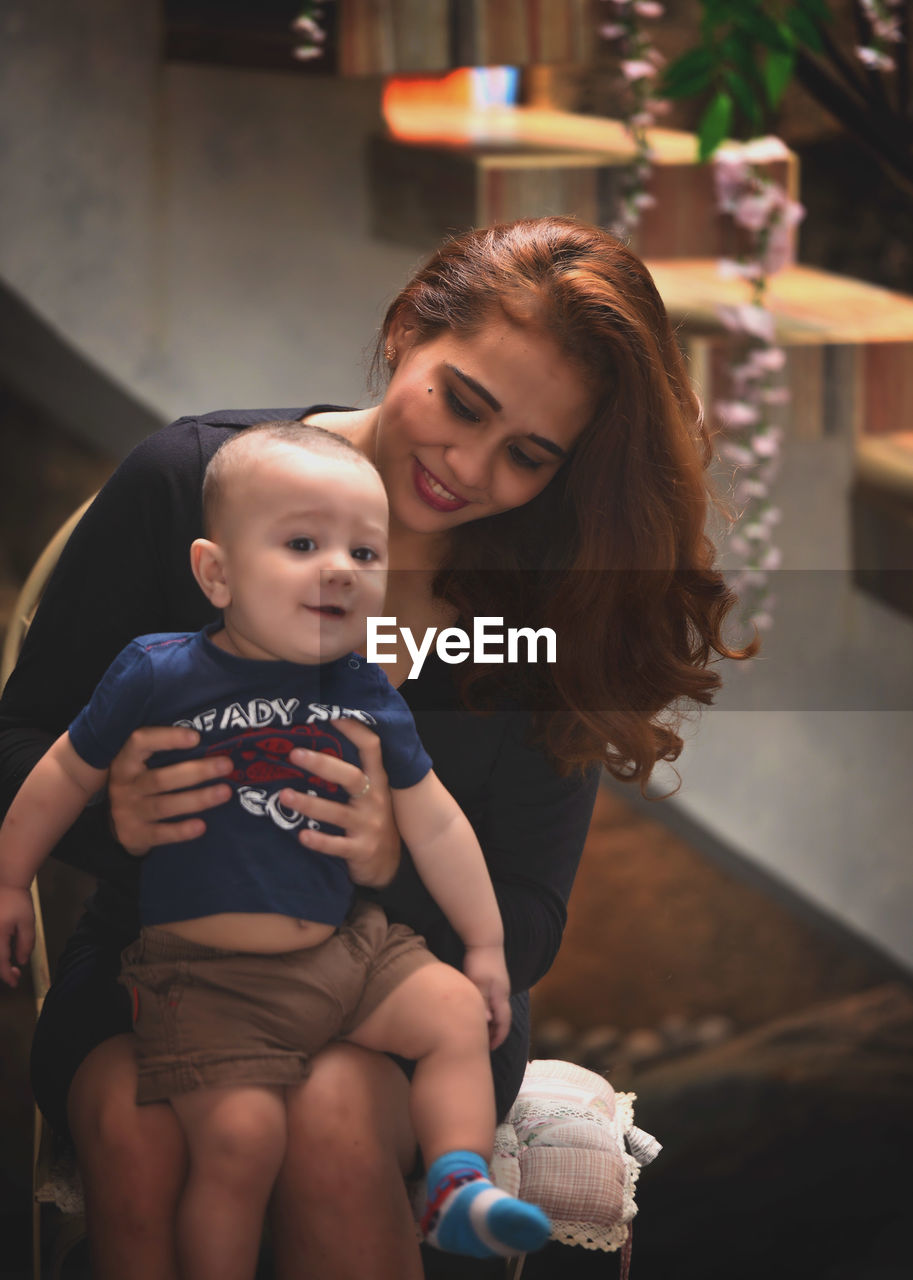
{"x": 301, "y": 544}
{"x": 367, "y": 554}
{"x": 459, "y": 408}
{"x": 523, "y": 459}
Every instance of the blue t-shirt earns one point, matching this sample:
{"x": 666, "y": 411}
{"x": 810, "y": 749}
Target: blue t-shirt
{"x": 250, "y": 858}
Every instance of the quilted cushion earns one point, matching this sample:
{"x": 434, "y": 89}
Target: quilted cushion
{"x": 569, "y": 1145}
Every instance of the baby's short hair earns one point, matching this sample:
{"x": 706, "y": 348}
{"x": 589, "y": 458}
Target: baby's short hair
{"x": 303, "y": 435}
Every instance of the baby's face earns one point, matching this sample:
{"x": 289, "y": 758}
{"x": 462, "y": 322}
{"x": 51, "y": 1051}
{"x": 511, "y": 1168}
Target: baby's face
{"x": 304, "y": 543}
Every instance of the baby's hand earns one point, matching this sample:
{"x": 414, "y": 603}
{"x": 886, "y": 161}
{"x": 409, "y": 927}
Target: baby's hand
{"x": 17, "y": 932}
{"x": 486, "y": 967}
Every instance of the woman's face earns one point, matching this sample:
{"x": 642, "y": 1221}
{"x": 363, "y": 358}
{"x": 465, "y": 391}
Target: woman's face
{"x": 474, "y": 425}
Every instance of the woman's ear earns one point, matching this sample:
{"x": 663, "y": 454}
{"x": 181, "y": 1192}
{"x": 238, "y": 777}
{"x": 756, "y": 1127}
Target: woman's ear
{"x": 207, "y": 560}
{"x": 401, "y": 335}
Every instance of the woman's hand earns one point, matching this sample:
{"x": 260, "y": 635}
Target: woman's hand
{"x": 141, "y": 799}
{"x": 371, "y": 844}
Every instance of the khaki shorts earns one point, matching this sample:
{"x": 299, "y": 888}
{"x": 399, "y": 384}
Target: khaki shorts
{"x": 204, "y": 1016}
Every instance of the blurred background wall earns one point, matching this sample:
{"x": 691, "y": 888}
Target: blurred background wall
{"x": 201, "y": 234}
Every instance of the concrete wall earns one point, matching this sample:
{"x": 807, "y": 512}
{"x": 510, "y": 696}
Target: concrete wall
{"x": 202, "y": 235}
{"x": 804, "y": 762}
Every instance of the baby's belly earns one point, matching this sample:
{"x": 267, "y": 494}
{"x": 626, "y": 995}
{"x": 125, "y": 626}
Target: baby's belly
{"x": 264, "y": 933}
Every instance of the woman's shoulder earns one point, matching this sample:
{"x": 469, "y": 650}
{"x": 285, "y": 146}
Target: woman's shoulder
{"x": 165, "y": 471}
{"x": 190, "y": 441}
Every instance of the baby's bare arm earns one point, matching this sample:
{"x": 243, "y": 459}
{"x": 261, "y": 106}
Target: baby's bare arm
{"x": 450, "y": 861}
{"x": 447, "y": 856}
{"x": 46, "y": 805}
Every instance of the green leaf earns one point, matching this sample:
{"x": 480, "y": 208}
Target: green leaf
{"x": 690, "y": 74}
{"x": 716, "y": 12}
{"x": 805, "y": 30}
{"x": 778, "y": 71}
{"x": 745, "y": 98}
{"x": 714, "y": 124}
{"x": 817, "y": 10}
{"x": 761, "y": 27}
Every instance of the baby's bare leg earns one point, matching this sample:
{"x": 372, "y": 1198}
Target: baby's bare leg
{"x": 236, "y": 1140}
{"x": 437, "y": 1017}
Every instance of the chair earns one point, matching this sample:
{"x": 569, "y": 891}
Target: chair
{"x": 42, "y": 1152}
{"x": 569, "y": 1142}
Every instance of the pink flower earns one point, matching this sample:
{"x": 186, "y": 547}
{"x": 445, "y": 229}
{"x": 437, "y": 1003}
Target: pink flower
{"x": 747, "y": 489}
{"x": 310, "y": 28}
{"x": 730, "y": 269}
{"x": 772, "y": 559}
{"x": 765, "y": 150}
{"x": 758, "y": 322}
{"x": 737, "y": 453}
{"x": 754, "y": 209}
{"x": 769, "y": 360}
{"x": 888, "y": 29}
{"x": 648, "y": 9}
{"x": 304, "y": 52}
{"x": 767, "y": 443}
{"x": 743, "y": 375}
{"x": 637, "y": 69}
{"x": 779, "y": 250}
{"x": 730, "y": 173}
{"x": 736, "y": 413}
{"x": 612, "y": 30}
{"x": 874, "y": 59}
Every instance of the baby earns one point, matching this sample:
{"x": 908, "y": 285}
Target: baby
{"x": 254, "y": 952}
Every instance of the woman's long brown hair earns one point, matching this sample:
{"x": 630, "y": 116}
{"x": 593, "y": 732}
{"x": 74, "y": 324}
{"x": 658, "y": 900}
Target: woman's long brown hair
{"x": 613, "y": 554}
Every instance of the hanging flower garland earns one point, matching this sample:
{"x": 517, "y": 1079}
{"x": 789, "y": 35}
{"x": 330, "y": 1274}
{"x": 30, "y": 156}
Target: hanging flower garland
{"x": 307, "y": 27}
{"x": 884, "y": 19}
{"x": 767, "y": 217}
{"x": 639, "y": 64}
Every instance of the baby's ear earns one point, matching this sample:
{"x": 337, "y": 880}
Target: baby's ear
{"x": 207, "y": 560}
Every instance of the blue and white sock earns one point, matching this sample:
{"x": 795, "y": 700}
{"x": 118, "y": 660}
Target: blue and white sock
{"x": 467, "y": 1214}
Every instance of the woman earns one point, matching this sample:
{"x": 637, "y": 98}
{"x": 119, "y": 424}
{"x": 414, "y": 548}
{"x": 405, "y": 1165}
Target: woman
{"x": 544, "y": 458}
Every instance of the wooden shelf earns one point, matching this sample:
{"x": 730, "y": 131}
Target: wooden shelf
{"x": 810, "y": 306}
{"x": 849, "y": 344}
{"x": 887, "y": 462}
{"x": 460, "y": 168}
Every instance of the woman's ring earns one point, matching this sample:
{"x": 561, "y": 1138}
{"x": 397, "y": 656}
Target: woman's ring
{"x": 357, "y": 795}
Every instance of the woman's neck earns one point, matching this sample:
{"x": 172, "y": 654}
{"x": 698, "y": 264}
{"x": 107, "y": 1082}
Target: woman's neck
{"x": 416, "y": 552}
{"x": 358, "y": 426}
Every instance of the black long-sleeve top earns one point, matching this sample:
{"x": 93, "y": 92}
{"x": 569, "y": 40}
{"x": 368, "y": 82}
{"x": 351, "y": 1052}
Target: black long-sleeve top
{"x": 126, "y": 571}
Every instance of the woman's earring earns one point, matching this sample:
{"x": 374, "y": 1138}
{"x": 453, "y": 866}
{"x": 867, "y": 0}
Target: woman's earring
{"x": 389, "y": 353}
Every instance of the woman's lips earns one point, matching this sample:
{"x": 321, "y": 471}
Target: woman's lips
{"x": 432, "y": 492}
